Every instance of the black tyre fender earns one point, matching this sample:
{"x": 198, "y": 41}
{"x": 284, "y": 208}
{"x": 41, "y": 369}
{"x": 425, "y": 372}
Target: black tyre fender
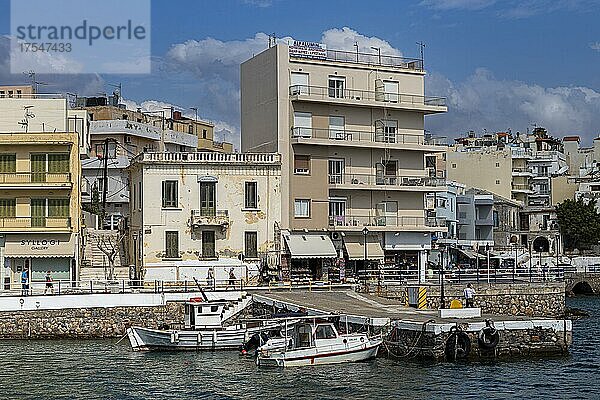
{"x": 458, "y": 345}
{"x": 488, "y": 338}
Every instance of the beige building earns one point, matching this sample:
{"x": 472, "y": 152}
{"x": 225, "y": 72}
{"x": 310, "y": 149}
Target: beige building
{"x": 192, "y": 211}
{"x": 350, "y": 129}
{"x": 487, "y": 169}
{"x": 16, "y": 91}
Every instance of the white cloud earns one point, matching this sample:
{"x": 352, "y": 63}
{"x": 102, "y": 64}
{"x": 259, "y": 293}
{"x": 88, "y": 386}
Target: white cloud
{"x": 457, "y": 4}
{"x": 259, "y": 3}
{"x": 484, "y": 102}
{"x": 344, "y": 39}
{"x": 595, "y": 46}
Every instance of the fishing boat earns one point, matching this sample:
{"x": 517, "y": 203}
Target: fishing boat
{"x": 206, "y": 326}
{"x": 316, "y": 341}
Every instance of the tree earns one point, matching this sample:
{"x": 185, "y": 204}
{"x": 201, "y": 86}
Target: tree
{"x": 110, "y": 245}
{"x": 579, "y": 224}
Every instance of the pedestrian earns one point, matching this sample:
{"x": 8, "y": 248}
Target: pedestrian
{"x": 49, "y": 284}
{"x": 210, "y": 277}
{"x": 469, "y": 293}
{"x": 545, "y": 271}
{"x": 231, "y": 278}
{"x": 25, "y": 282}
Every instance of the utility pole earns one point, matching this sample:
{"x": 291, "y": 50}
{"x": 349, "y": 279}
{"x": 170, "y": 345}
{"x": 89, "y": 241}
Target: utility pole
{"x": 105, "y": 179}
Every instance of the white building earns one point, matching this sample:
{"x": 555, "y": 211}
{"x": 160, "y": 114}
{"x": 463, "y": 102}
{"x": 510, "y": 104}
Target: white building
{"x": 192, "y": 211}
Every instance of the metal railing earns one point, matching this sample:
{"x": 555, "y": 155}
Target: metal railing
{"x": 327, "y": 93}
{"x": 395, "y": 221}
{"x": 210, "y": 212}
{"x": 210, "y": 157}
{"x": 345, "y": 135}
{"x": 34, "y": 177}
{"x": 35, "y": 222}
{"x": 415, "y": 64}
{"x": 385, "y": 180}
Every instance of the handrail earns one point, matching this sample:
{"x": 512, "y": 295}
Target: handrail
{"x": 35, "y": 177}
{"x": 35, "y": 222}
{"x": 384, "y": 220}
{"x": 385, "y": 180}
{"x": 415, "y": 64}
{"x": 342, "y": 134}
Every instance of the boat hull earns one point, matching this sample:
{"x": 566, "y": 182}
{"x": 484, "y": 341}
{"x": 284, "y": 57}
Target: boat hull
{"x": 313, "y": 356}
{"x": 145, "y": 339}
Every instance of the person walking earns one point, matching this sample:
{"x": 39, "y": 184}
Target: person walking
{"x": 25, "y": 282}
{"x": 469, "y": 294}
{"x": 49, "y": 283}
{"x": 231, "y": 278}
{"x": 210, "y": 278}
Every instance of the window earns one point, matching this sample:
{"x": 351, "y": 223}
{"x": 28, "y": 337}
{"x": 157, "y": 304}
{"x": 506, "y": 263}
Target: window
{"x": 169, "y": 194}
{"x": 8, "y": 163}
{"x": 299, "y": 83}
{"x": 337, "y": 127}
{"x": 171, "y": 244}
{"x": 191, "y": 128}
{"x": 204, "y": 133}
{"x": 336, "y": 86}
{"x": 207, "y": 199}
{"x": 391, "y": 90}
{"x": 112, "y": 150}
{"x": 58, "y": 208}
{"x": 324, "y": 332}
{"x": 302, "y": 124}
{"x": 336, "y": 171}
{"x": 453, "y": 165}
{"x": 496, "y": 219}
{"x": 43, "y": 164}
{"x": 58, "y": 163}
{"x": 251, "y": 245}
{"x": 497, "y": 165}
{"x": 337, "y": 212}
{"x": 250, "y": 195}
{"x": 301, "y": 208}
{"x": 41, "y": 209}
{"x": 302, "y": 164}
{"x": 8, "y": 208}
{"x": 386, "y": 131}
{"x": 208, "y": 244}
{"x": 38, "y": 213}
{"x": 140, "y": 197}
{"x": 497, "y": 181}
{"x": 387, "y": 213}
{"x": 386, "y": 173}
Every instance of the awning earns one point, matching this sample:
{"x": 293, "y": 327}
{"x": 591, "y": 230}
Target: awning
{"x": 355, "y": 246}
{"x": 470, "y": 253}
{"x": 310, "y": 246}
{"x": 39, "y": 245}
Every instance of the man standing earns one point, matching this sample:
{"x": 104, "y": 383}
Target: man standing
{"x": 469, "y": 293}
{"x": 49, "y": 283}
{"x": 24, "y": 282}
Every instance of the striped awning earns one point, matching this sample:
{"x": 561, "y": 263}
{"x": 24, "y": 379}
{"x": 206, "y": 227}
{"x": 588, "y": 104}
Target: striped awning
{"x": 310, "y": 246}
{"x": 355, "y": 247}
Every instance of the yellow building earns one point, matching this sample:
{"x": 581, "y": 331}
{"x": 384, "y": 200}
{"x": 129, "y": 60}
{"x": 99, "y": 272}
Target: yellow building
{"x": 39, "y": 206}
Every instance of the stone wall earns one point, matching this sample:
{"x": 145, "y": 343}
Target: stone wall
{"x": 527, "y": 299}
{"x": 85, "y": 323}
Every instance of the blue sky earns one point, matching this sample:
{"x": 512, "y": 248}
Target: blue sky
{"x": 501, "y": 63}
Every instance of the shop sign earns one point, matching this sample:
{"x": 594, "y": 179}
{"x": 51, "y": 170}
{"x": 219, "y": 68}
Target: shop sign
{"x": 308, "y": 50}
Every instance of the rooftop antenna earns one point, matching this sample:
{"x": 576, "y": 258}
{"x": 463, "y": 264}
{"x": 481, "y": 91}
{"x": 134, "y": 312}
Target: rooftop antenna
{"x": 118, "y": 89}
{"x": 356, "y": 45}
{"x": 34, "y": 82}
{"x": 422, "y": 51}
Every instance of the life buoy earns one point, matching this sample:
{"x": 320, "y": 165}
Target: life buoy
{"x": 488, "y": 337}
{"x": 458, "y": 345}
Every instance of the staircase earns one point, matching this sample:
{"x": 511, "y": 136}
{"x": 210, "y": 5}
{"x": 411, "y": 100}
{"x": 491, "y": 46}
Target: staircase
{"x": 94, "y": 265}
{"x": 236, "y": 307}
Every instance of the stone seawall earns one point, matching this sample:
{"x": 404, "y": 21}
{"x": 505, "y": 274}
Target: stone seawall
{"x": 85, "y": 323}
{"x": 526, "y": 299}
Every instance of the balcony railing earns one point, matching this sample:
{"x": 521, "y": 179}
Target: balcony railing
{"x": 210, "y": 158}
{"x": 35, "y": 222}
{"x": 385, "y": 180}
{"x": 34, "y": 177}
{"x": 415, "y": 64}
{"x": 393, "y": 221}
{"x": 344, "y": 135}
{"x": 327, "y": 93}
{"x": 520, "y": 186}
{"x": 210, "y": 216}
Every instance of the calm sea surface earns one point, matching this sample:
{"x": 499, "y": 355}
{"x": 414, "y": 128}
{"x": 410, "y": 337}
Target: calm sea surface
{"x": 102, "y": 370}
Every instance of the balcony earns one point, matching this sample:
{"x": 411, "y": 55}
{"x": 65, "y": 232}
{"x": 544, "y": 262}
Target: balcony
{"x": 376, "y": 182}
{"x": 8, "y": 224}
{"x": 125, "y": 127}
{"x": 210, "y": 158}
{"x": 352, "y": 138}
{"x": 519, "y": 152}
{"x": 383, "y": 223}
{"x": 370, "y": 59}
{"x": 488, "y": 221}
{"x": 35, "y": 180}
{"x": 210, "y": 217}
{"x": 522, "y": 172}
{"x": 366, "y": 98}
{"x": 521, "y": 188}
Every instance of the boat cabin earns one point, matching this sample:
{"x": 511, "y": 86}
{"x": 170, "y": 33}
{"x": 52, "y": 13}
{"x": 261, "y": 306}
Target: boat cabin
{"x": 204, "y": 314}
{"x": 309, "y": 335}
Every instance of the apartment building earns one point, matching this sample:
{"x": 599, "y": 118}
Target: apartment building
{"x": 122, "y": 134}
{"x": 192, "y": 211}
{"x": 350, "y": 129}
{"x": 40, "y": 151}
{"x": 16, "y": 91}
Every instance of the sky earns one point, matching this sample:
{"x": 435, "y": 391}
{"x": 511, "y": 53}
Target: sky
{"x": 502, "y": 64}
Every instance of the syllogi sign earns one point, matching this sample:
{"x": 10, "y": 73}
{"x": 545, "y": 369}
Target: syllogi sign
{"x": 41, "y": 244}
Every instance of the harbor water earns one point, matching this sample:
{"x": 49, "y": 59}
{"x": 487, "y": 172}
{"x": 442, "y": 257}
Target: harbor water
{"x": 65, "y": 369}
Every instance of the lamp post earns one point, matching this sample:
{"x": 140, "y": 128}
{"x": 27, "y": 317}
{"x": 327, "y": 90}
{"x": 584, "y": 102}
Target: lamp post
{"x": 442, "y": 291}
{"x": 365, "y": 232}
{"x": 487, "y": 249}
{"x": 515, "y": 264}
{"x": 530, "y": 260}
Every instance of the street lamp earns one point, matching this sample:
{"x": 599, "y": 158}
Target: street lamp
{"x": 442, "y": 291}
{"x": 365, "y": 232}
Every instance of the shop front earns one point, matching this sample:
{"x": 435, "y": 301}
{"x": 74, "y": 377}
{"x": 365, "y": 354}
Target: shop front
{"x": 365, "y": 255}
{"x": 39, "y": 253}
{"x": 406, "y": 254}
{"x": 309, "y": 256}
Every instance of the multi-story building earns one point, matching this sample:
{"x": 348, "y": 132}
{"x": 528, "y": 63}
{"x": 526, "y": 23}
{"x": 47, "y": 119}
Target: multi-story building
{"x": 40, "y": 210}
{"x": 123, "y": 134}
{"x": 192, "y": 211}
{"x": 350, "y": 129}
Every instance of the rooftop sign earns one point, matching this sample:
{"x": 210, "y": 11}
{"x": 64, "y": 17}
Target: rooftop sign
{"x": 308, "y": 50}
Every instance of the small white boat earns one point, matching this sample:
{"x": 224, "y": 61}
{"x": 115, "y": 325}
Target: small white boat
{"x": 205, "y": 328}
{"x": 316, "y": 343}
